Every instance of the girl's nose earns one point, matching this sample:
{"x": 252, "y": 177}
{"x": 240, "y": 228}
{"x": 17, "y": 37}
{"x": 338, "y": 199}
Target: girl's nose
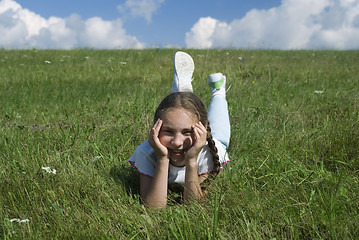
{"x": 177, "y": 140}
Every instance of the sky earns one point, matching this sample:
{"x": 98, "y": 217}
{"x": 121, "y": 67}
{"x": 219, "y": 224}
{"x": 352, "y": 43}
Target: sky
{"x": 202, "y": 24}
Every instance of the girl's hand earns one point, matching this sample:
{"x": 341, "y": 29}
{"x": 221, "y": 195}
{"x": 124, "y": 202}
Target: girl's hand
{"x": 154, "y": 141}
{"x": 199, "y": 138}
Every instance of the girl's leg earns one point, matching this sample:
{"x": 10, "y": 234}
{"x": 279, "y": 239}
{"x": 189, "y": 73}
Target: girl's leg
{"x": 218, "y": 109}
{"x": 219, "y": 119}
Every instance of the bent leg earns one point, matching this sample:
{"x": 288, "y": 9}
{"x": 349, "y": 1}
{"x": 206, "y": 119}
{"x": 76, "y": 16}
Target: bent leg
{"x": 218, "y": 118}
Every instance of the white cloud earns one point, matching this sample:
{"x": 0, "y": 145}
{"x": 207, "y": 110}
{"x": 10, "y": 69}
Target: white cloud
{"x": 21, "y": 28}
{"x": 201, "y": 34}
{"x": 141, "y": 8}
{"x": 305, "y": 24}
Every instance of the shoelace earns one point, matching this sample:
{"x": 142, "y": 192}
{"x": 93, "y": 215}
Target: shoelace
{"x": 228, "y": 88}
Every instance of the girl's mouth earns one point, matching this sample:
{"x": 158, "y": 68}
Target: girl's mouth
{"x": 177, "y": 152}
{"x": 177, "y": 157}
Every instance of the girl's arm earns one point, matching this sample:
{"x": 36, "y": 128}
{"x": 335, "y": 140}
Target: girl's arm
{"x": 192, "y": 187}
{"x": 153, "y": 191}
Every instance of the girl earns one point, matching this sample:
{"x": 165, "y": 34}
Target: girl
{"x": 182, "y": 147}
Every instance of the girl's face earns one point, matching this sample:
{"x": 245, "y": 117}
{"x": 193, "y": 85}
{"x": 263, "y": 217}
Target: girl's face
{"x": 177, "y": 134}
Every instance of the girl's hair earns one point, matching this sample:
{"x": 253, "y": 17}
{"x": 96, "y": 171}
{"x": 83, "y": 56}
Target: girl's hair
{"x": 192, "y": 103}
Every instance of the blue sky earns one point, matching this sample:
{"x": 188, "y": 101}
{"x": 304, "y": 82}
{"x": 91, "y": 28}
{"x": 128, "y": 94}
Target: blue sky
{"x": 168, "y": 24}
{"x": 273, "y": 24}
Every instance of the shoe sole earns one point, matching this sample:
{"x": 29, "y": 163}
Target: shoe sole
{"x": 184, "y": 67}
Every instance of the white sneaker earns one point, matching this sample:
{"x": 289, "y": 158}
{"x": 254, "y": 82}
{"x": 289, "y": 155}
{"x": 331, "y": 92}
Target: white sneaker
{"x": 217, "y": 83}
{"x": 183, "y": 68}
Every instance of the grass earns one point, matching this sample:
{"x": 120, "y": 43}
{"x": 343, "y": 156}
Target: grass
{"x": 294, "y": 147}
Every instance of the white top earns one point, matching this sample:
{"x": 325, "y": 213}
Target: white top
{"x": 144, "y": 160}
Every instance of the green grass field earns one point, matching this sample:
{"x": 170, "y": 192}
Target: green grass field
{"x": 294, "y": 167}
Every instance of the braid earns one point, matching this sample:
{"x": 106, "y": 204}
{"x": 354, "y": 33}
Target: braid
{"x": 214, "y": 151}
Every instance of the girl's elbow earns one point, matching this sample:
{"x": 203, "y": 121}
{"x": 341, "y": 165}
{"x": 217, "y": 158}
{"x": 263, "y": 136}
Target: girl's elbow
{"x": 154, "y": 205}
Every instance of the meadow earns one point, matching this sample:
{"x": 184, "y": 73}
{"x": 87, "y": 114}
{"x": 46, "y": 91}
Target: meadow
{"x": 70, "y": 120}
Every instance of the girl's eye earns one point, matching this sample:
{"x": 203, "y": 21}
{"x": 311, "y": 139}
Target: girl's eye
{"x": 167, "y": 132}
{"x": 187, "y": 133}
